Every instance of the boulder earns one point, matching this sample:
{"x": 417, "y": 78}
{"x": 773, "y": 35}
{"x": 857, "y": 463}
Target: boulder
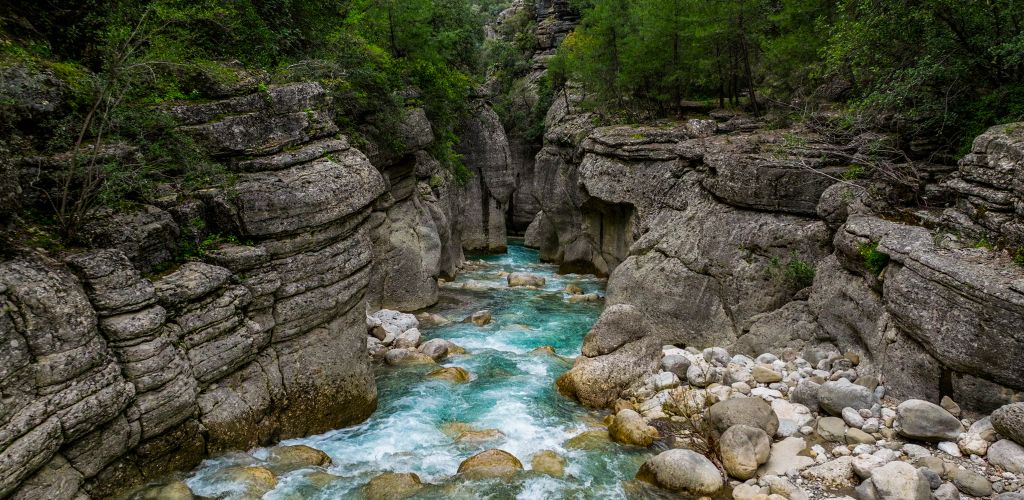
{"x": 832, "y": 429}
{"x": 899, "y": 481}
{"x": 682, "y": 471}
{"x": 806, "y": 393}
{"x": 972, "y": 483}
{"x": 392, "y": 485}
{"x": 978, "y": 438}
{"x": 834, "y": 396}
{"x": 792, "y": 416}
{"x": 407, "y": 357}
{"x": 752, "y": 411}
{"x": 618, "y": 325}
{"x": 1008, "y": 455}
{"x": 919, "y": 419}
{"x": 453, "y": 374}
{"x": 284, "y": 459}
{"x": 408, "y": 339}
{"x": 765, "y": 374}
{"x": 525, "y": 279}
{"x": 253, "y": 481}
{"x": 437, "y": 349}
{"x": 598, "y": 381}
{"x": 1009, "y": 421}
{"x": 628, "y": 427}
{"x": 490, "y": 463}
{"x": 548, "y": 462}
{"x": 480, "y": 318}
{"x": 836, "y": 474}
{"x": 743, "y": 449}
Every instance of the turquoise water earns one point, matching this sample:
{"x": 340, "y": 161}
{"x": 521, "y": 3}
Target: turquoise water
{"x": 511, "y": 391}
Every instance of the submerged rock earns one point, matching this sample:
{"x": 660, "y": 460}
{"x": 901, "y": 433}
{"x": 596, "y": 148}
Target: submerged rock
{"x": 392, "y": 485}
{"x": 683, "y": 471}
{"x": 588, "y": 440}
{"x": 548, "y": 462}
{"x": 525, "y": 279}
{"x": 254, "y": 481}
{"x": 454, "y": 374}
{"x": 284, "y": 459}
{"x": 490, "y": 463}
{"x": 480, "y": 318}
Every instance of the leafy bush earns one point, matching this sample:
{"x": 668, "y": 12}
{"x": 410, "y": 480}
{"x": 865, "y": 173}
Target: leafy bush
{"x": 874, "y": 260}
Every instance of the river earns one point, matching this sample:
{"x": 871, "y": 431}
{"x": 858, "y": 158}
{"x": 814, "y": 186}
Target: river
{"x": 512, "y": 391}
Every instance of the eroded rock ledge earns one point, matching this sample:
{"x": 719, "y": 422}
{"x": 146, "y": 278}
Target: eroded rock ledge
{"x": 118, "y": 370}
{"x": 722, "y": 234}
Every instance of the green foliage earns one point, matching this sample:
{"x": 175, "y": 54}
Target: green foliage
{"x": 1018, "y": 256}
{"x": 796, "y": 273}
{"x": 854, "y": 172}
{"x": 874, "y": 260}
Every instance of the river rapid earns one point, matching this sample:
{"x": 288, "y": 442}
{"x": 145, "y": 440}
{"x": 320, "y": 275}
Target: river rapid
{"x": 418, "y": 422}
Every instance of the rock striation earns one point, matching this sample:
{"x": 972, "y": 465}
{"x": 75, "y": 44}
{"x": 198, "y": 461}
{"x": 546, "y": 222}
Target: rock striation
{"x": 118, "y": 370}
{"x": 750, "y": 239}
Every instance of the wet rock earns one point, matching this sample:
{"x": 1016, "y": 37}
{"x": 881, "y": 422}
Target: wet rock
{"x": 1008, "y": 455}
{"x": 743, "y": 449}
{"x": 408, "y": 339}
{"x": 754, "y": 412}
{"x": 548, "y": 462}
{"x": 480, "y": 318}
{"x": 1009, "y": 421}
{"x": 628, "y": 427}
{"x": 453, "y": 374}
{"x": 918, "y": 419}
{"x": 437, "y": 349}
{"x": 589, "y": 440}
{"x": 834, "y": 396}
{"x": 525, "y": 279}
{"x": 176, "y": 490}
{"x": 479, "y": 436}
{"x": 284, "y": 459}
{"x": 392, "y": 485}
{"x": 683, "y": 471}
{"x": 490, "y": 463}
{"x": 254, "y": 481}
{"x": 407, "y": 357}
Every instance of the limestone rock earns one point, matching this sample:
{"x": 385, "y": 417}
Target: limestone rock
{"x": 683, "y": 471}
{"x": 454, "y": 374}
{"x": 548, "y": 462}
{"x": 629, "y": 427}
{"x": 743, "y": 449}
{"x": 284, "y": 459}
{"x": 752, "y": 411}
{"x": 525, "y": 279}
{"x": 899, "y": 480}
{"x": 1008, "y": 455}
{"x": 918, "y": 419}
{"x": 834, "y": 396}
{"x": 392, "y": 485}
{"x": 490, "y": 463}
{"x": 1009, "y": 421}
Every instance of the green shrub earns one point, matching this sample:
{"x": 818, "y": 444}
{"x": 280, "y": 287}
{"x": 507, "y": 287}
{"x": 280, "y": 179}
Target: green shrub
{"x": 800, "y": 273}
{"x": 874, "y": 260}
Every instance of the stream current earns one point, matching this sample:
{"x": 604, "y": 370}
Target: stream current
{"x": 416, "y": 425}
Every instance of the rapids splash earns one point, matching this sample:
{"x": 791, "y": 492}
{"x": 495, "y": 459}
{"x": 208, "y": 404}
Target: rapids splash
{"x": 512, "y": 391}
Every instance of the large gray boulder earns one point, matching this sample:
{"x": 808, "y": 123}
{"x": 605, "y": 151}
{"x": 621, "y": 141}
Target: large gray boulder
{"x": 743, "y": 449}
{"x": 918, "y": 419}
{"x": 682, "y": 471}
{"x": 752, "y": 411}
{"x": 1009, "y": 421}
{"x": 834, "y": 396}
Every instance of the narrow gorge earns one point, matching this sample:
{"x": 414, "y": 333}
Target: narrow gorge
{"x": 415, "y": 302}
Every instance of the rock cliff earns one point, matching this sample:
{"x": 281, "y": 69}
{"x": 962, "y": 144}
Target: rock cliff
{"x": 118, "y": 369}
{"x": 750, "y": 239}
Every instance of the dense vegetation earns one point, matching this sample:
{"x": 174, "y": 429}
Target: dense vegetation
{"x": 120, "y": 60}
{"x": 941, "y": 69}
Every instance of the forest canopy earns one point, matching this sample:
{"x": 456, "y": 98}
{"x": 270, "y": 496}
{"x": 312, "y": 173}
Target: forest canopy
{"x": 939, "y": 68}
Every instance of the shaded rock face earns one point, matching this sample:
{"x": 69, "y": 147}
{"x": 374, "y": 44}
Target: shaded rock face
{"x": 990, "y": 187}
{"x": 745, "y": 240}
{"x": 111, "y": 378}
{"x": 488, "y": 193}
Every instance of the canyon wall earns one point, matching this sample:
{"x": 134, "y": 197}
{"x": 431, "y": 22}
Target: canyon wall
{"x": 121, "y": 366}
{"x": 726, "y": 234}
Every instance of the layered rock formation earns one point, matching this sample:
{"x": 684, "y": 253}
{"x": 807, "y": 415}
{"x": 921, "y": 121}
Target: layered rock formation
{"x": 112, "y": 377}
{"x": 749, "y": 239}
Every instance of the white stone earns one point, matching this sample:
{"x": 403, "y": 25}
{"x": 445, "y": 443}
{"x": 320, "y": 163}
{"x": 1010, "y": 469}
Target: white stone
{"x": 853, "y": 418}
{"x": 765, "y": 393}
{"x": 949, "y": 448}
{"x": 792, "y": 416}
{"x": 916, "y": 451}
{"x": 665, "y": 380}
